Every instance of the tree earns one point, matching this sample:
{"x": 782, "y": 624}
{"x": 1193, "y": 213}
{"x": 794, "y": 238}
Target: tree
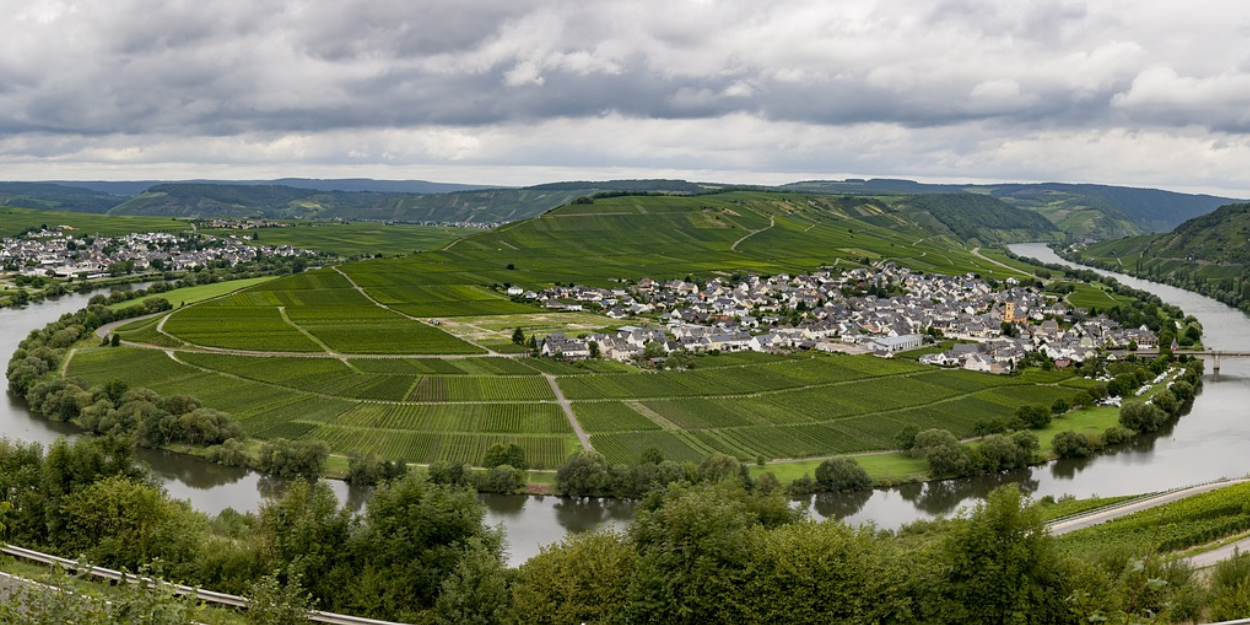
{"x": 692, "y": 541}
{"x": 1033, "y": 417}
{"x": 285, "y": 458}
{"x": 123, "y": 523}
{"x": 510, "y": 454}
{"x": 999, "y": 565}
{"x": 946, "y": 456}
{"x": 594, "y": 349}
{"x": 825, "y": 573}
{"x": 412, "y": 538}
{"x": 272, "y": 602}
{"x": 653, "y": 349}
{"x": 1142, "y": 417}
{"x": 842, "y": 474}
{"x": 518, "y": 336}
{"x": 583, "y": 579}
{"x": 476, "y": 592}
{"x": 1069, "y": 444}
{"x": 651, "y": 455}
{"x": 584, "y": 474}
{"x": 906, "y": 437}
{"x": 718, "y": 467}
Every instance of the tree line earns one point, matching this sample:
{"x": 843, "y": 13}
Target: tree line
{"x": 713, "y": 550}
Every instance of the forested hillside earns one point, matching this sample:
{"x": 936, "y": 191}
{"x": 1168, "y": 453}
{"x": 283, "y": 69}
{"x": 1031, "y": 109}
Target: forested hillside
{"x": 1209, "y": 254}
{"x": 1084, "y": 212}
{"x": 1081, "y": 210}
{"x": 984, "y": 220}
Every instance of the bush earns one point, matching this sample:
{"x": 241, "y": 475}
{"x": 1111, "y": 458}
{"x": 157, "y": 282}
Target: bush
{"x": 230, "y": 453}
{"x": 510, "y": 454}
{"x": 1070, "y": 444}
{"x": 284, "y": 458}
{"x": 584, "y": 474}
{"x": 1034, "y": 417}
{"x": 1142, "y": 417}
{"x": 840, "y": 475}
{"x": 502, "y": 479}
{"x": 1116, "y": 435}
{"x": 449, "y": 473}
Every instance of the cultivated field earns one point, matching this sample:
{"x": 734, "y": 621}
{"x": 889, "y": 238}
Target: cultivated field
{"x": 411, "y": 357}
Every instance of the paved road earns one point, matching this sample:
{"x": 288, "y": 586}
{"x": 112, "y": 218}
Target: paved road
{"x": 1090, "y": 520}
{"x": 1215, "y": 556}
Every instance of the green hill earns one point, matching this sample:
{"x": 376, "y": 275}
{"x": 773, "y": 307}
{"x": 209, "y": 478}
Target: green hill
{"x": 1209, "y": 254}
{"x": 1087, "y": 211}
{"x": 272, "y": 201}
{"x": 56, "y": 197}
{"x": 983, "y": 220}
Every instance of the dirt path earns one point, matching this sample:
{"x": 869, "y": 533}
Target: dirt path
{"x": 285, "y": 318}
{"x": 106, "y": 329}
{"x": 65, "y": 361}
{"x": 567, "y": 406}
{"x": 976, "y": 251}
{"x": 772, "y": 221}
{"x": 489, "y": 351}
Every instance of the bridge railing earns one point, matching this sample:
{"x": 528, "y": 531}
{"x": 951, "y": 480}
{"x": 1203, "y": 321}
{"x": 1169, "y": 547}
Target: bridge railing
{"x": 207, "y": 596}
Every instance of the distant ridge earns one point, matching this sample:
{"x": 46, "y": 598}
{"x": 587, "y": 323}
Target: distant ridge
{"x": 1080, "y": 211}
{"x": 135, "y": 187}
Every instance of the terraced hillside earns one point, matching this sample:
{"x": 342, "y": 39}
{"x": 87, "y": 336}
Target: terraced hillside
{"x": 412, "y": 358}
{"x": 1209, "y": 254}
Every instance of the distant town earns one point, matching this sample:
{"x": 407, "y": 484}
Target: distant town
{"x": 62, "y": 252}
{"x": 883, "y": 310}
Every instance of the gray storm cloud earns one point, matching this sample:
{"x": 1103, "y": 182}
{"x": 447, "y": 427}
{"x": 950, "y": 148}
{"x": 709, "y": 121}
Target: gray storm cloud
{"x": 102, "y": 77}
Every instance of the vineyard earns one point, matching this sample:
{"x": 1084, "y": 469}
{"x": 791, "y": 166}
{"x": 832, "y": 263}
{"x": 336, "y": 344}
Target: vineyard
{"x": 372, "y": 356}
{"x": 1191, "y": 521}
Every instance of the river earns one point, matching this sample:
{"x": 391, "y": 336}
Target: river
{"x": 1207, "y": 444}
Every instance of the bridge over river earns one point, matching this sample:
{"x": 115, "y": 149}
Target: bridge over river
{"x": 1214, "y": 354}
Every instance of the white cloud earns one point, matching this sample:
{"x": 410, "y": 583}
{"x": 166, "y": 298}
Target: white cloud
{"x": 974, "y": 88}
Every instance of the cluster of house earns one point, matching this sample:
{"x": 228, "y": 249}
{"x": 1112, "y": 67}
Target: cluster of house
{"x": 59, "y": 252}
{"x": 241, "y": 224}
{"x": 833, "y": 311}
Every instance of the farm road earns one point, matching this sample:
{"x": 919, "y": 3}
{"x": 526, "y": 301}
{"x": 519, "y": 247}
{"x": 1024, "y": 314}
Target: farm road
{"x": 489, "y": 351}
{"x": 568, "y": 411}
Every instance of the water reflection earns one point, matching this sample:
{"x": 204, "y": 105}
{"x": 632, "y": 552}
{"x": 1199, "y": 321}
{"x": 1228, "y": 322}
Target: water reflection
{"x": 168, "y": 466}
{"x": 587, "y": 513}
{"x": 944, "y": 497}
{"x": 840, "y": 505}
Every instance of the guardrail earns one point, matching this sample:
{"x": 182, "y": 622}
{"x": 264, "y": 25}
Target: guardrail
{"x": 1128, "y": 502}
{"x": 208, "y": 596}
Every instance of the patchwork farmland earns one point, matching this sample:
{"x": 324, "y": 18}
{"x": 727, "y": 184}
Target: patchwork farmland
{"x": 411, "y": 357}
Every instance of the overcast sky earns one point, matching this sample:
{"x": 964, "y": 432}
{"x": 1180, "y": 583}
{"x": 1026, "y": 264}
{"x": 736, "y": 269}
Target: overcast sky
{"x": 1135, "y": 92}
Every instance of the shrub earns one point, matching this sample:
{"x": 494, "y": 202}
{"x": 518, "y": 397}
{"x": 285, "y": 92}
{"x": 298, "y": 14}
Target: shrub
{"x": 1070, "y": 444}
{"x": 839, "y": 475}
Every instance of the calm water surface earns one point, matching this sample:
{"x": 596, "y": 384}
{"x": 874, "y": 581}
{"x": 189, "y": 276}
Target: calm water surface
{"x": 1207, "y": 444}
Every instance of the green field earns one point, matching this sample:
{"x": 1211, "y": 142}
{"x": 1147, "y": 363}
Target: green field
{"x": 352, "y": 239}
{"x": 14, "y": 220}
{"x": 411, "y": 357}
{"x": 196, "y": 294}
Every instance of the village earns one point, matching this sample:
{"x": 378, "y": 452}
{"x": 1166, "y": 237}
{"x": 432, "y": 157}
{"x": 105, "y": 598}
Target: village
{"x": 883, "y": 310}
{"x": 59, "y": 252}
